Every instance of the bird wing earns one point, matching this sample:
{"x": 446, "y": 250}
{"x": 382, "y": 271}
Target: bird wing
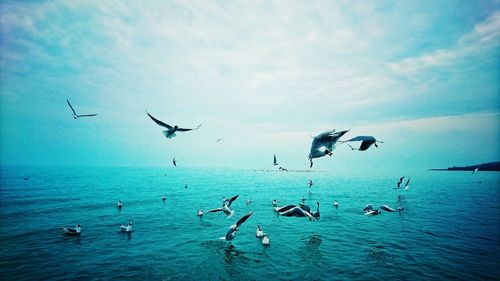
{"x": 231, "y": 200}
{"x": 407, "y": 182}
{"x": 327, "y": 140}
{"x": 368, "y": 208}
{"x": 185, "y": 130}
{"x": 87, "y": 115}
{"x": 387, "y": 208}
{"x": 159, "y": 122}
{"x": 71, "y": 107}
{"x": 215, "y": 210}
{"x": 243, "y": 219}
{"x": 361, "y": 138}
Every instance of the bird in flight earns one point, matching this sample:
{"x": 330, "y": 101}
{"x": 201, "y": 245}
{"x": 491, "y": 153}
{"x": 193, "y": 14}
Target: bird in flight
{"x": 366, "y": 142}
{"x": 324, "y": 144}
{"x": 76, "y": 116}
{"x": 174, "y": 162}
{"x": 219, "y": 140}
{"x": 170, "y": 133}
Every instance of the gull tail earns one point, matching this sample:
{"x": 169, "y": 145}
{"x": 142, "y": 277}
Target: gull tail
{"x": 168, "y": 135}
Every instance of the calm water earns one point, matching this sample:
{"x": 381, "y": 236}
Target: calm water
{"x": 450, "y": 228}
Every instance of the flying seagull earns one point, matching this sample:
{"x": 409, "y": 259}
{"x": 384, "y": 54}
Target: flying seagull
{"x": 475, "y": 170}
{"x": 275, "y": 162}
{"x": 174, "y": 162}
{"x": 170, "y": 133}
{"x": 225, "y": 206}
{"x": 366, "y": 142}
{"x": 400, "y": 181}
{"x": 219, "y": 140}
{"x": 231, "y": 232}
{"x": 76, "y": 116}
{"x": 324, "y": 144}
{"x": 407, "y": 184}
{"x": 369, "y": 211}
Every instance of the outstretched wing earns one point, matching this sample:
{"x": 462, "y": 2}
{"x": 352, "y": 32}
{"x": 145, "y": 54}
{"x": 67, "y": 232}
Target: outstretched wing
{"x": 185, "y": 130}
{"x": 159, "y": 122}
{"x": 387, "y": 208}
{"x": 327, "y": 140}
{"x": 215, "y": 210}
{"x": 243, "y": 219}
{"x": 87, "y": 115}
{"x": 231, "y": 200}
{"x": 71, "y": 107}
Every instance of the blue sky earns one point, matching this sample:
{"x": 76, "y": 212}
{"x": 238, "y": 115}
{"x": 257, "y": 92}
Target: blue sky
{"x": 265, "y": 76}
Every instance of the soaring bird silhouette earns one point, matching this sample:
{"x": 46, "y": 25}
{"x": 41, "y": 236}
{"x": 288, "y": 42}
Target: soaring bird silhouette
{"x": 170, "y": 133}
{"x": 76, "y": 116}
{"x": 366, "y": 142}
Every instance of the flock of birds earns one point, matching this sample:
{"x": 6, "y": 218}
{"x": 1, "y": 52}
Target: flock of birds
{"x": 322, "y": 145}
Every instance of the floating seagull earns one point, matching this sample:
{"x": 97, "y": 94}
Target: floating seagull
{"x": 235, "y": 227}
{"x": 259, "y": 233}
{"x": 127, "y": 228}
{"x": 369, "y": 211}
{"x": 324, "y": 144}
{"x": 72, "y": 231}
{"x": 265, "y": 240}
{"x": 26, "y": 178}
{"x": 170, "y": 133}
{"x": 275, "y": 203}
{"x": 174, "y": 162}
{"x": 283, "y": 169}
{"x": 366, "y": 142}
{"x": 248, "y": 202}
{"x": 76, "y": 116}
{"x": 407, "y": 184}
{"x": 119, "y": 204}
{"x": 400, "y": 208}
{"x": 225, "y": 207}
{"x": 275, "y": 162}
{"x": 400, "y": 181}
{"x": 336, "y": 204}
{"x": 200, "y": 213}
{"x": 164, "y": 197}
{"x": 310, "y": 183}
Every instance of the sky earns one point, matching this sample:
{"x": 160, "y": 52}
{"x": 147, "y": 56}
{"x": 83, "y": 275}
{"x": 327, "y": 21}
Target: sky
{"x": 263, "y": 75}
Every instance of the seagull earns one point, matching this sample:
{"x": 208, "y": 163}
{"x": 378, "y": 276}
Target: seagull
{"x": 265, "y": 240}
{"x": 407, "y": 184}
{"x": 119, "y": 204}
{"x": 275, "y": 162}
{"x": 475, "y": 170}
{"x": 283, "y": 169}
{"x": 324, "y": 144}
{"x": 72, "y": 231}
{"x": 366, "y": 142}
{"x": 336, "y": 204}
{"x": 369, "y": 211}
{"x": 219, "y": 140}
{"x": 127, "y": 228}
{"x": 170, "y": 133}
{"x": 294, "y": 211}
{"x": 316, "y": 214}
{"x": 164, "y": 197}
{"x": 310, "y": 183}
{"x": 275, "y": 203}
{"x": 174, "y": 162}
{"x": 231, "y": 232}
{"x": 259, "y": 233}
{"x": 400, "y": 181}
{"x": 200, "y": 213}
{"x": 76, "y": 116}
{"x": 225, "y": 207}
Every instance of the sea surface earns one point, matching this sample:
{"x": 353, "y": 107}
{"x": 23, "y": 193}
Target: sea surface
{"x": 449, "y": 229}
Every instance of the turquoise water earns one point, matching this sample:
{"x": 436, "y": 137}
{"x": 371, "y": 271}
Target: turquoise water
{"x": 450, "y": 228}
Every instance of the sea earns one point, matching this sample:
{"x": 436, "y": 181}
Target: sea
{"x": 449, "y": 228}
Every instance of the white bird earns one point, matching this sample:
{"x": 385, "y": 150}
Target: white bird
{"x": 225, "y": 207}
{"x": 200, "y": 213}
{"x": 324, "y": 144}
{"x": 265, "y": 240}
{"x": 366, "y": 142}
{"x": 370, "y": 211}
{"x": 275, "y": 203}
{"x": 231, "y": 232}
{"x": 170, "y": 133}
{"x": 407, "y": 184}
{"x": 72, "y": 231}
{"x": 119, "y": 204}
{"x": 336, "y": 204}
{"x": 76, "y": 116}
{"x": 127, "y": 228}
{"x": 259, "y": 233}
{"x": 164, "y": 198}
{"x": 475, "y": 170}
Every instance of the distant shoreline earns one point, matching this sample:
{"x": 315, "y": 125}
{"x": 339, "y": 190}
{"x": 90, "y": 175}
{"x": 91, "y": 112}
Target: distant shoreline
{"x": 485, "y": 167}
